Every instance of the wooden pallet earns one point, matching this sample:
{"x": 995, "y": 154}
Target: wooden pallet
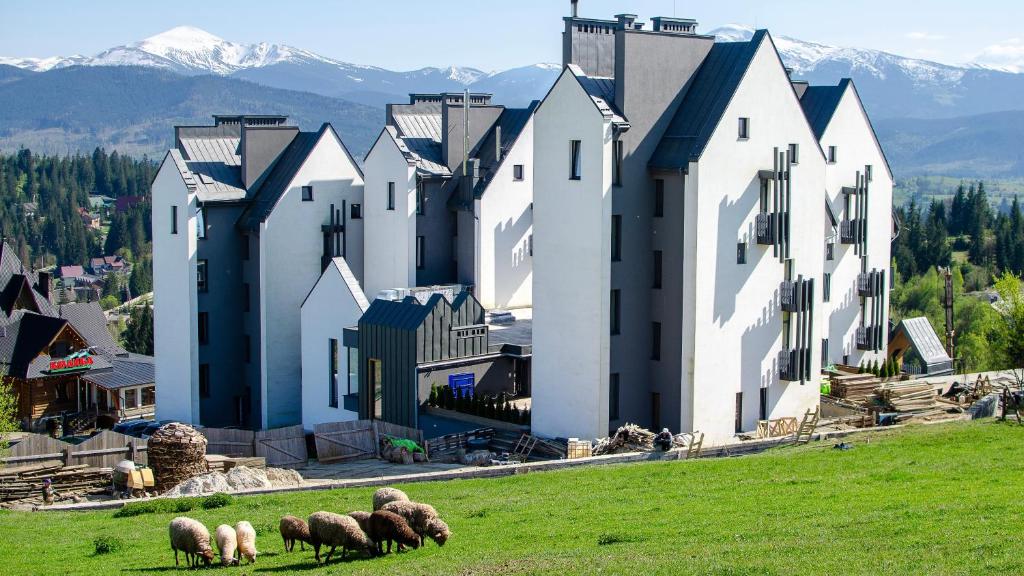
{"x": 807, "y": 426}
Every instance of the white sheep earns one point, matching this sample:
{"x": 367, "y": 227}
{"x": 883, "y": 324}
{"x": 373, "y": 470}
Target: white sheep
{"x": 227, "y": 543}
{"x": 246, "y": 535}
{"x": 388, "y": 494}
{"x": 192, "y": 538}
{"x": 423, "y": 520}
{"x": 333, "y": 530}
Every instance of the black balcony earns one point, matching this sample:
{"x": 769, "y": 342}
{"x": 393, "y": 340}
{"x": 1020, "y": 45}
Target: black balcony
{"x": 790, "y": 296}
{"x": 789, "y": 365}
{"x": 865, "y": 338}
{"x": 849, "y": 232}
{"x": 765, "y": 224}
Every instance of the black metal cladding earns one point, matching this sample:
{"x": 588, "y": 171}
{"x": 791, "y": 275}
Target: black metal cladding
{"x": 872, "y": 285}
{"x": 773, "y": 226}
{"x": 335, "y": 241}
{"x": 795, "y": 362}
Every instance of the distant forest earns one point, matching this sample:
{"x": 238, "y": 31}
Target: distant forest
{"x": 43, "y": 197}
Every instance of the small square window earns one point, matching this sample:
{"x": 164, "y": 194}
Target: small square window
{"x": 391, "y": 195}
{"x": 833, "y": 154}
{"x": 517, "y": 172}
{"x": 794, "y": 153}
{"x": 741, "y": 252}
{"x": 744, "y": 128}
{"x": 357, "y": 211}
{"x": 307, "y": 193}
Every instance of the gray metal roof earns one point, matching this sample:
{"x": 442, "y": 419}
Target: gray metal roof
{"x": 601, "y": 91}
{"x": 279, "y": 178}
{"x": 421, "y": 134}
{"x": 88, "y": 319}
{"x": 701, "y": 110}
{"x": 820, "y": 103}
{"x": 922, "y": 336}
{"x": 124, "y": 372}
{"x": 212, "y": 167}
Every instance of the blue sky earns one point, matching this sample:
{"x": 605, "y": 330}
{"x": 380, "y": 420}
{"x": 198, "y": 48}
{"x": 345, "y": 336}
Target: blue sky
{"x": 492, "y": 34}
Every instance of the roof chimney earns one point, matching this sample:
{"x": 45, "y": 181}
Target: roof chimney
{"x": 575, "y": 8}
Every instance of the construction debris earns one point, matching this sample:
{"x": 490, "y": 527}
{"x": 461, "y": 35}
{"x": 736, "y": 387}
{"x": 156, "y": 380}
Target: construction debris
{"x": 633, "y": 438}
{"x": 238, "y": 478}
{"x": 23, "y": 485}
{"x": 913, "y": 399}
{"x": 857, "y": 388}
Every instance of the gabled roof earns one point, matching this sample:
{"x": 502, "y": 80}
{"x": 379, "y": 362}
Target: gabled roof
{"x": 134, "y": 370}
{"x": 28, "y": 336}
{"x": 510, "y": 125}
{"x": 820, "y": 103}
{"x": 88, "y": 319}
{"x": 701, "y": 110}
{"x": 74, "y": 271}
{"x": 420, "y": 133}
{"x": 340, "y": 266}
{"x": 924, "y": 340}
{"x": 211, "y": 167}
{"x": 602, "y": 91}
{"x": 409, "y": 313}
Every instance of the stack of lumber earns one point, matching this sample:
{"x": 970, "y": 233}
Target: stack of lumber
{"x": 24, "y": 484}
{"x": 857, "y": 388}
{"x": 219, "y": 463}
{"x": 911, "y": 399}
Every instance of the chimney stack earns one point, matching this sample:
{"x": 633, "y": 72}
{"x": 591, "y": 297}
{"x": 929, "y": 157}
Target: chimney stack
{"x": 43, "y": 284}
{"x": 575, "y": 8}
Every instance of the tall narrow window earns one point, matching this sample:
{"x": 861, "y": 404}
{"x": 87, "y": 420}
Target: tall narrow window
{"x": 741, "y": 252}
{"x": 826, "y": 287}
{"x": 201, "y": 223}
{"x": 764, "y": 196}
{"x": 739, "y": 412}
{"x": 420, "y": 198}
{"x": 794, "y": 153}
{"x": 764, "y": 404}
{"x": 391, "y": 195}
{"x": 332, "y": 381}
{"x": 201, "y": 279}
{"x": 617, "y": 166}
{"x": 613, "y": 396}
{"x": 869, "y": 172}
{"x": 529, "y": 243}
{"x": 744, "y": 128}
{"x": 203, "y": 327}
{"x": 575, "y": 160}
{"x": 657, "y": 269}
{"x": 659, "y": 198}
{"x": 655, "y": 340}
{"x": 824, "y": 353}
{"x": 204, "y": 380}
{"x": 353, "y": 369}
{"x": 613, "y": 319}
{"x": 307, "y": 193}
{"x": 833, "y": 154}
{"x": 616, "y": 237}
{"x": 419, "y": 252}
{"x": 174, "y": 219}
{"x": 517, "y": 172}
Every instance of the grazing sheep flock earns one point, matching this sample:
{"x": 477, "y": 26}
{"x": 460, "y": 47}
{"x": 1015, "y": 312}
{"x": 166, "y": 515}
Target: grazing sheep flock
{"x": 395, "y": 519}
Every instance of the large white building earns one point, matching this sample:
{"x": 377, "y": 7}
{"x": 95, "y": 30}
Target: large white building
{"x": 680, "y": 239}
{"x": 436, "y": 214}
{"x": 247, "y": 213}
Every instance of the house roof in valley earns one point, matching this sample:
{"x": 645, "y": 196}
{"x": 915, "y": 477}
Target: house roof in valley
{"x": 133, "y": 370}
{"x": 419, "y": 130}
{"x": 701, "y": 110}
{"x": 75, "y": 271}
{"x": 820, "y": 103}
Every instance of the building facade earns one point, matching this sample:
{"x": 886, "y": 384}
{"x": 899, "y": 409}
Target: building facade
{"x": 685, "y": 290}
{"x": 248, "y": 213}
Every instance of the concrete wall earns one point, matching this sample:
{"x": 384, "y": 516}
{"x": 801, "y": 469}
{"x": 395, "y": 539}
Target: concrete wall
{"x": 505, "y": 224}
{"x": 492, "y": 376}
{"x": 851, "y": 133}
{"x": 737, "y": 317}
{"x": 174, "y": 302}
{"x": 572, "y": 249}
{"x": 390, "y": 237}
{"x": 435, "y": 225}
{"x": 291, "y": 248}
{"x": 327, "y": 311}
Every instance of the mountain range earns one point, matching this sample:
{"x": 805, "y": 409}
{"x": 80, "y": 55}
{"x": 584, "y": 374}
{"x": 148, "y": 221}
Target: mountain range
{"x": 918, "y": 106}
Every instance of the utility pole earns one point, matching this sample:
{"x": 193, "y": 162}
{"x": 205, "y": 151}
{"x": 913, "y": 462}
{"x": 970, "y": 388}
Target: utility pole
{"x": 947, "y": 303}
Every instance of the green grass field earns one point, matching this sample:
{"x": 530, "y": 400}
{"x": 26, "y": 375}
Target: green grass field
{"x": 941, "y": 499}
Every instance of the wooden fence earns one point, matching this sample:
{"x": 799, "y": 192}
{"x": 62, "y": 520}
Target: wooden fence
{"x": 103, "y": 450}
{"x": 355, "y": 439}
{"x": 282, "y": 447}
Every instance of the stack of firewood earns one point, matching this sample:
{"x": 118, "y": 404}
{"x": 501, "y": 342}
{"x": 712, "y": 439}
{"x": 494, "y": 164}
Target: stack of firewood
{"x": 177, "y": 452}
{"x": 24, "y": 484}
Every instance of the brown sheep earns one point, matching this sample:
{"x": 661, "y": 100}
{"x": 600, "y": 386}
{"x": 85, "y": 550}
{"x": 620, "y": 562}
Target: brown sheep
{"x": 384, "y": 525}
{"x": 360, "y": 517}
{"x": 388, "y": 494}
{"x": 423, "y": 520}
{"x": 293, "y": 529}
{"x": 334, "y": 530}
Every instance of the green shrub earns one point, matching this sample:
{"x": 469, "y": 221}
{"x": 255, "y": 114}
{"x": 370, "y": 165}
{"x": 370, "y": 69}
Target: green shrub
{"x": 107, "y": 545}
{"x": 218, "y": 500}
{"x": 432, "y": 399}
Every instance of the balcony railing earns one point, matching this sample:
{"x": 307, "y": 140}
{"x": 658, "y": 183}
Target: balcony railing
{"x": 764, "y": 223}
{"x": 867, "y": 285}
{"x": 866, "y": 337}
{"x": 789, "y": 364}
{"x": 849, "y": 231}
{"x": 789, "y": 296}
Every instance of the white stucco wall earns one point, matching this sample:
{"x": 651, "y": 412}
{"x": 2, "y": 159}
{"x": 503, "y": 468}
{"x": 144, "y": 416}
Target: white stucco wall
{"x": 291, "y": 245}
{"x": 850, "y": 131}
{"x": 572, "y": 254}
{"x": 175, "y": 338}
{"x": 737, "y": 317}
{"x": 506, "y": 222}
{"x": 328, "y": 310}
{"x": 390, "y": 234}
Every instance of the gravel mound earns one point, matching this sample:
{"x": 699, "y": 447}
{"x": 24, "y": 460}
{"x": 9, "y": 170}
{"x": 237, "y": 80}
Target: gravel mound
{"x": 238, "y": 478}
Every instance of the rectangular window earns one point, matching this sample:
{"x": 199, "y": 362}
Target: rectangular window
{"x": 517, "y": 172}
{"x": 824, "y": 353}
{"x": 739, "y": 412}
{"x": 131, "y": 398}
{"x": 869, "y": 172}
{"x": 764, "y": 404}
{"x": 657, "y": 269}
{"x": 174, "y": 219}
{"x": 613, "y": 319}
{"x": 246, "y": 348}
{"x": 204, "y": 380}
{"x": 744, "y": 128}
{"x": 203, "y": 325}
{"x": 764, "y": 196}
{"x": 833, "y": 154}
{"x": 307, "y": 193}
{"x": 529, "y": 243}
{"x": 245, "y": 297}
{"x": 659, "y": 198}
{"x": 373, "y": 372}
{"x": 149, "y": 396}
{"x": 357, "y": 211}
{"x": 617, "y": 149}
{"x": 613, "y": 396}
{"x": 826, "y": 287}
{"x": 655, "y": 340}
{"x": 391, "y": 195}
{"x": 830, "y": 251}
{"x": 616, "y": 238}
{"x": 201, "y": 280}
{"x": 332, "y": 382}
{"x": 419, "y": 252}
{"x": 353, "y": 370}
{"x": 420, "y": 197}
{"x": 741, "y": 252}
{"x": 575, "y": 160}
{"x": 794, "y": 153}
{"x": 201, "y": 223}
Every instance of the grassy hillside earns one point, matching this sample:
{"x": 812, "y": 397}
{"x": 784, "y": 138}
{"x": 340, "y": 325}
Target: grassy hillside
{"x": 944, "y": 187}
{"x": 926, "y": 500}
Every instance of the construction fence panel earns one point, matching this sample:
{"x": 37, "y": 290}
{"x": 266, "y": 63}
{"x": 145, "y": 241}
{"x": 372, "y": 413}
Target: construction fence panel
{"x": 35, "y": 448}
{"x": 351, "y": 440}
{"x": 282, "y": 447}
{"x": 229, "y": 442}
{"x": 107, "y": 448}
